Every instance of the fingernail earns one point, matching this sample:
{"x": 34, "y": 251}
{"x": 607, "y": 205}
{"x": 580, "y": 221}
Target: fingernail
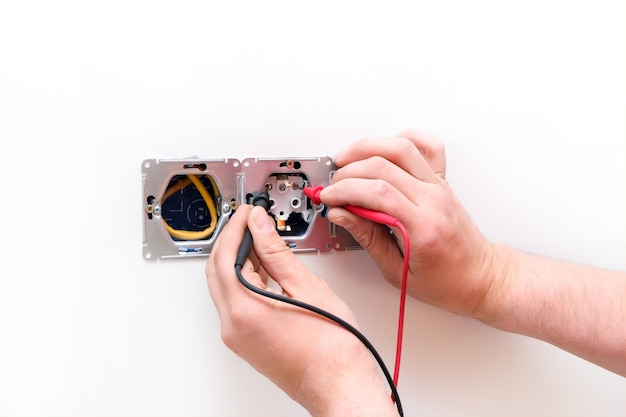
{"x": 262, "y": 220}
{"x": 326, "y": 190}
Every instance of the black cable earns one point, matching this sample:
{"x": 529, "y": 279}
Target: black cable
{"x": 262, "y": 199}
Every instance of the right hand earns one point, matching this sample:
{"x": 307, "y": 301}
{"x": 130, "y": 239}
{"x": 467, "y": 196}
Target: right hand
{"x": 452, "y": 263}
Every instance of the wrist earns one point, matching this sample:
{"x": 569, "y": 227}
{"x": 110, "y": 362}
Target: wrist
{"x": 345, "y": 387}
{"x": 498, "y": 269}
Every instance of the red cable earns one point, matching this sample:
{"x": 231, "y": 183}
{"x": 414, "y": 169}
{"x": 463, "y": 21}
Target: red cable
{"x": 382, "y": 218}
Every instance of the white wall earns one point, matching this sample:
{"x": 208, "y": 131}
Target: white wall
{"x": 529, "y": 97}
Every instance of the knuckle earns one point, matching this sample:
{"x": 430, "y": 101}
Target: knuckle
{"x": 404, "y": 146}
{"x": 238, "y": 320}
{"x": 275, "y": 247}
{"x": 435, "y": 148}
{"x": 432, "y": 237}
{"x": 377, "y": 164}
{"x": 382, "y": 188}
{"x": 436, "y": 237}
{"x": 365, "y": 238}
{"x": 426, "y": 144}
{"x": 438, "y": 146}
{"x": 239, "y": 323}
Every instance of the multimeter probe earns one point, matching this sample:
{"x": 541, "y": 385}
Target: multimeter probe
{"x": 262, "y": 199}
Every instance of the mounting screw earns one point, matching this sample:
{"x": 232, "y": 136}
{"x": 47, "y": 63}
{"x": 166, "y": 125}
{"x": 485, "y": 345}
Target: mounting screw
{"x": 149, "y": 209}
{"x": 157, "y": 210}
{"x": 225, "y": 208}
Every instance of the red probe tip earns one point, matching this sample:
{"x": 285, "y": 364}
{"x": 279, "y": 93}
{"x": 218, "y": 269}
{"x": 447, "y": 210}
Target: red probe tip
{"x": 313, "y": 193}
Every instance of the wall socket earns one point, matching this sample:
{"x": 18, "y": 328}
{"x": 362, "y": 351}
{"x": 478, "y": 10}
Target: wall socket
{"x": 187, "y": 202}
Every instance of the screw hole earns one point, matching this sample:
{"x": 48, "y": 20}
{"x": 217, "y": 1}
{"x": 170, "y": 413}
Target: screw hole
{"x": 291, "y": 164}
{"x": 201, "y": 167}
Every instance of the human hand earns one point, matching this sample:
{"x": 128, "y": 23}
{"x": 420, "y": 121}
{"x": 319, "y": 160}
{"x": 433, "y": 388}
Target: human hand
{"x": 451, "y": 263}
{"x": 317, "y": 363}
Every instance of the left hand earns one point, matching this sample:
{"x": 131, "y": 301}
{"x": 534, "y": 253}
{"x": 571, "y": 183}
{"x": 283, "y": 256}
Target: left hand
{"x": 316, "y": 362}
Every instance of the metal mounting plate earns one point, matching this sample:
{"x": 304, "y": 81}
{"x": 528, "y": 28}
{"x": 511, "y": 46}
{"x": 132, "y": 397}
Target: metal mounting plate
{"x": 173, "y": 200}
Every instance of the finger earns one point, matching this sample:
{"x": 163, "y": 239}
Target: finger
{"x": 252, "y": 275}
{"x": 221, "y": 276}
{"x": 432, "y": 149}
{"x": 375, "y": 239}
{"x": 258, "y": 268}
{"x": 275, "y": 256}
{"x": 256, "y": 264}
{"x": 374, "y": 194}
{"x": 263, "y": 274}
{"x": 399, "y": 151}
{"x": 378, "y": 167}
{"x": 219, "y": 266}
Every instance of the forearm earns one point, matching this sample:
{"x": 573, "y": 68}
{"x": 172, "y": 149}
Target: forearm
{"x": 578, "y": 308}
{"x": 351, "y": 395}
{"x": 352, "y": 387}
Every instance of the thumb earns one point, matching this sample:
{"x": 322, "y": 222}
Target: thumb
{"x": 275, "y": 256}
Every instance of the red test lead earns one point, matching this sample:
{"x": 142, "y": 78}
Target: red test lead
{"x": 375, "y": 216}
{"x": 379, "y": 217}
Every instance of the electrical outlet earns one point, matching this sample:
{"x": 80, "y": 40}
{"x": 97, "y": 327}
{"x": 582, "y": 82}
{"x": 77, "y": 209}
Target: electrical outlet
{"x": 187, "y": 203}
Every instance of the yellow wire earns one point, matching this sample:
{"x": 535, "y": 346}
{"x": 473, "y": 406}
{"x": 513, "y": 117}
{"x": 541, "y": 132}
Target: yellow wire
{"x": 178, "y": 185}
{"x": 188, "y": 234}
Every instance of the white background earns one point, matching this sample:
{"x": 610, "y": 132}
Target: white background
{"x": 529, "y": 97}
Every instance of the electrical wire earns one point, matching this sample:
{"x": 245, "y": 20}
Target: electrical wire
{"x": 262, "y": 199}
{"x": 403, "y": 287}
{"x": 388, "y": 220}
{"x": 182, "y": 184}
{"x": 336, "y": 319}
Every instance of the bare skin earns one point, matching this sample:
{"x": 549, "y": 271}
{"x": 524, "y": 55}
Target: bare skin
{"x": 579, "y": 308}
{"x": 320, "y": 371}
{"x": 453, "y": 266}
